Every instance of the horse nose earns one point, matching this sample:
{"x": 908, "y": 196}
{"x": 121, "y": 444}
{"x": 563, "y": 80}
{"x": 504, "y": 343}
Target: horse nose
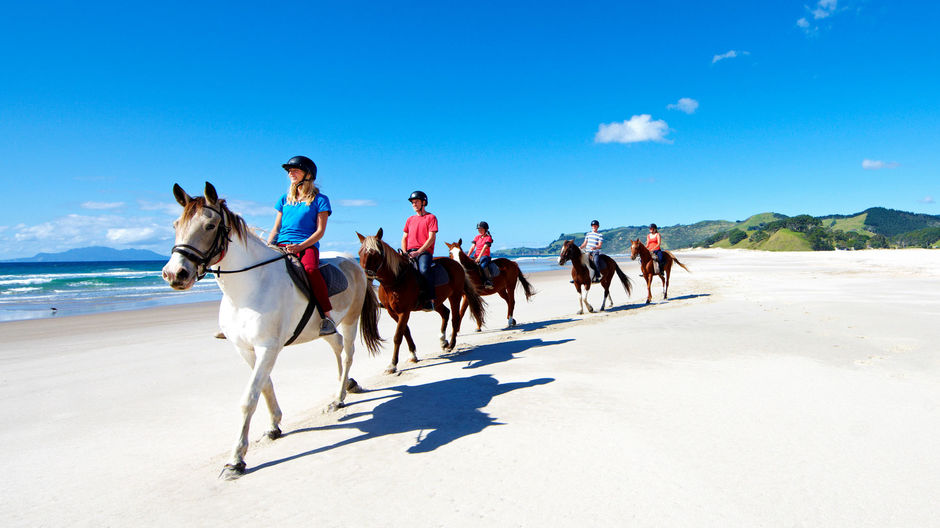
{"x": 182, "y": 275}
{"x": 168, "y": 275}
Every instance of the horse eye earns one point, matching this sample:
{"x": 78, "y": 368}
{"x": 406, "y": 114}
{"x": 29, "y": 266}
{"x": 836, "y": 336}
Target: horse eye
{"x": 210, "y": 227}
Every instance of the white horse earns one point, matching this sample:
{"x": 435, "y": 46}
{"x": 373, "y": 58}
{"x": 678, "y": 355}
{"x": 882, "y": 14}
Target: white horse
{"x": 261, "y": 307}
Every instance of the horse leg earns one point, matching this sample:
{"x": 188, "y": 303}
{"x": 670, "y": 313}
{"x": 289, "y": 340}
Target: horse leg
{"x": 455, "y": 318}
{"x": 665, "y": 278}
{"x": 411, "y": 345}
{"x": 584, "y": 299}
{"x": 349, "y": 350}
{"x": 344, "y": 357}
{"x": 274, "y": 410}
{"x": 260, "y": 376}
{"x": 445, "y": 313}
{"x": 510, "y": 299}
{"x": 649, "y": 284}
{"x": 399, "y": 332}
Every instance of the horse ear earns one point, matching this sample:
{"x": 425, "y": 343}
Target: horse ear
{"x": 211, "y": 196}
{"x": 459, "y": 242}
{"x": 378, "y": 234}
{"x": 181, "y": 197}
{"x": 361, "y": 238}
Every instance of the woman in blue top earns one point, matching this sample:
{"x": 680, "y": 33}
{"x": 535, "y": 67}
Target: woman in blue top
{"x": 300, "y": 224}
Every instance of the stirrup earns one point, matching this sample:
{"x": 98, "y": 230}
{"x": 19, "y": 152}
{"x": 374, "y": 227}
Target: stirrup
{"x": 327, "y": 327}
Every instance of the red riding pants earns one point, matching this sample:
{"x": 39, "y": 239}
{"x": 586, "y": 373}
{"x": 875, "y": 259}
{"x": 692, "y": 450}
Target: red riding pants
{"x": 310, "y": 258}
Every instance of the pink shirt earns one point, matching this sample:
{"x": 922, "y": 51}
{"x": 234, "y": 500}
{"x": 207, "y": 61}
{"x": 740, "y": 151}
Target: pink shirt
{"x": 652, "y": 241}
{"x": 480, "y": 247}
{"x": 419, "y": 229}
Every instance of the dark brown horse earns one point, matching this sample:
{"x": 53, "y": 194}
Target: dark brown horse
{"x": 638, "y": 249}
{"x": 581, "y": 274}
{"x": 504, "y": 284}
{"x": 399, "y": 291}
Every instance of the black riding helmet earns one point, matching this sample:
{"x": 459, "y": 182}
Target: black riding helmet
{"x": 595, "y": 223}
{"x": 418, "y": 195}
{"x": 653, "y": 226}
{"x": 303, "y": 163}
{"x": 484, "y": 225}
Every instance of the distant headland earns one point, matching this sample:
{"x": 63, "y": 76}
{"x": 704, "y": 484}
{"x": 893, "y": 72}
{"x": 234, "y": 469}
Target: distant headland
{"x": 94, "y": 254}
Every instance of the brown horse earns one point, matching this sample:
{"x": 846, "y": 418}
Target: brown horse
{"x": 581, "y": 274}
{"x": 399, "y": 290}
{"x": 638, "y": 249}
{"x": 504, "y": 284}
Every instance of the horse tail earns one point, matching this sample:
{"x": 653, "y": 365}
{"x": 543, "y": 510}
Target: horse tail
{"x": 674, "y": 259}
{"x": 526, "y": 285}
{"x": 474, "y": 301}
{"x": 369, "y": 321}
{"x": 623, "y": 278}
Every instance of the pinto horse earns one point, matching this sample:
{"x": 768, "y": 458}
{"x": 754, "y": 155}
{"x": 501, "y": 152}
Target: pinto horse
{"x": 581, "y": 274}
{"x": 638, "y": 249}
{"x": 261, "y": 305}
{"x": 504, "y": 284}
{"x": 398, "y": 292}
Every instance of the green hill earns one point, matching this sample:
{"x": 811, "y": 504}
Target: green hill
{"x": 873, "y": 228}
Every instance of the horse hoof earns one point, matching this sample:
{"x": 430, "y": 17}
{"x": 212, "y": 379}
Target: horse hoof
{"x": 232, "y": 471}
{"x": 335, "y": 406}
{"x": 391, "y": 370}
{"x": 478, "y": 330}
{"x": 413, "y": 360}
{"x": 274, "y": 434}
{"x": 353, "y": 386}
{"x": 512, "y": 322}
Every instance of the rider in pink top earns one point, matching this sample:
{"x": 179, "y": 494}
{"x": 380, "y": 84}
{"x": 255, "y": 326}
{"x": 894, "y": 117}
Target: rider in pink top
{"x": 481, "y": 250}
{"x": 653, "y": 241}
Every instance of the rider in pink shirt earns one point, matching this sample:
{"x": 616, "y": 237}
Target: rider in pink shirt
{"x": 418, "y": 241}
{"x": 481, "y": 248}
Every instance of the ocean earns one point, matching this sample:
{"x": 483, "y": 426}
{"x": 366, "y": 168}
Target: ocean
{"x": 36, "y": 290}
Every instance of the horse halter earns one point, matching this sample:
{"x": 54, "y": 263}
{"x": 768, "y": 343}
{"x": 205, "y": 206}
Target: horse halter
{"x": 373, "y": 274}
{"x": 204, "y": 259}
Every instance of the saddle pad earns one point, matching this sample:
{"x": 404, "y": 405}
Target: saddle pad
{"x": 335, "y": 280}
{"x": 493, "y": 269}
{"x": 439, "y": 275}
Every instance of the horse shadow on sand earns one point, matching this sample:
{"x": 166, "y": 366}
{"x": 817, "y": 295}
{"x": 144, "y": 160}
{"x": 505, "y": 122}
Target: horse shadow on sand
{"x": 437, "y": 413}
{"x": 538, "y": 325}
{"x": 492, "y": 353}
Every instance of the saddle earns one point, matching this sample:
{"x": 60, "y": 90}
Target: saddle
{"x": 336, "y": 282}
{"x": 492, "y": 269}
{"x": 438, "y": 274}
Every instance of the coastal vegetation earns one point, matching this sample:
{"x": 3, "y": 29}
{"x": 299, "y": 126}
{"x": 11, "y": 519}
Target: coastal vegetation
{"x": 873, "y": 228}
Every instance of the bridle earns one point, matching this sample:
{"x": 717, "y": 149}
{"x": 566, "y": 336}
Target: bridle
{"x": 216, "y": 251}
{"x": 373, "y": 274}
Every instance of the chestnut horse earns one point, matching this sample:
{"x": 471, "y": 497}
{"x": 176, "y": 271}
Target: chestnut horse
{"x": 398, "y": 292}
{"x": 504, "y": 284}
{"x": 581, "y": 273}
{"x": 638, "y": 249}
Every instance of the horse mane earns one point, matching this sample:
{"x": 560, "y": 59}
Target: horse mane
{"x": 236, "y": 223}
{"x": 374, "y": 244}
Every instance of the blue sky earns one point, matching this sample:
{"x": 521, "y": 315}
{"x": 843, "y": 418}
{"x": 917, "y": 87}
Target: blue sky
{"x": 534, "y": 116}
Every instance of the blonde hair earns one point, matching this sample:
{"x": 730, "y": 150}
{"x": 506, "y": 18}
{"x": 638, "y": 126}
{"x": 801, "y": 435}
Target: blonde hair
{"x": 304, "y": 191}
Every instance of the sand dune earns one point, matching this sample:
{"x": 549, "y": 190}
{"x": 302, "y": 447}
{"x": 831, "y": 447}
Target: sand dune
{"x": 772, "y": 389}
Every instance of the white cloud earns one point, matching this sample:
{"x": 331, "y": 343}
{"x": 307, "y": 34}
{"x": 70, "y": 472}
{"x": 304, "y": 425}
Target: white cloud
{"x": 824, "y": 8}
{"x": 878, "y": 164}
{"x": 168, "y": 208}
{"x": 358, "y": 203}
{"x": 821, "y": 10}
{"x": 252, "y": 208}
{"x": 685, "y": 104}
{"x": 729, "y": 55}
{"x": 927, "y": 200}
{"x": 803, "y": 23}
{"x": 102, "y": 205}
{"x": 124, "y": 235}
{"x": 639, "y": 128}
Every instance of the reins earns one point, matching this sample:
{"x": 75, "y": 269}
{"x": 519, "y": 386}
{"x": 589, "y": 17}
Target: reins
{"x": 218, "y": 249}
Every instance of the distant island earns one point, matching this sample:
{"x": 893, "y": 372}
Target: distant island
{"x": 876, "y": 227}
{"x": 94, "y": 254}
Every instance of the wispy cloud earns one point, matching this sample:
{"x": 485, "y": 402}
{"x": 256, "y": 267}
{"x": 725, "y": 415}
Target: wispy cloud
{"x": 102, "y": 205}
{"x": 927, "y": 200}
{"x": 821, "y": 10}
{"x": 132, "y": 235}
{"x": 637, "y": 129}
{"x": 731, "y": 54}
{"x": 251, "y": 208}
{"x": 168, "y": 208}
{"x": 685, "y": 104}
{"x": 878, "y": 164}
{"x": 358, "y": 203}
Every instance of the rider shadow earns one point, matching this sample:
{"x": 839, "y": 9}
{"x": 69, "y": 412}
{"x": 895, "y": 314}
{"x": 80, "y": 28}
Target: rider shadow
{"x": 492, "y": 353}
{"x": 538, "y": 325}
{"x": 438, "y": 412}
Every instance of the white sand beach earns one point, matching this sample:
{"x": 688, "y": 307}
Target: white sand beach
{"x": 772, "y": 389}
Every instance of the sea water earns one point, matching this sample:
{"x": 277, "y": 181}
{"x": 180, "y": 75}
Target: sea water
{"x": 34, "y": 290}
